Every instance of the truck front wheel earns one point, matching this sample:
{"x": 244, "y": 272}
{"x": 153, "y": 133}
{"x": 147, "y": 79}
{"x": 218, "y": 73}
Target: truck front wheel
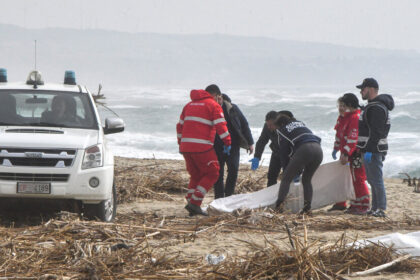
{"x": 105, "y": 210}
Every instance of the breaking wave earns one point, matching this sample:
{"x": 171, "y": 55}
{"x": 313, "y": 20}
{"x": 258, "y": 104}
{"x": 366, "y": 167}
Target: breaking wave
{"x": 151, "y": 114}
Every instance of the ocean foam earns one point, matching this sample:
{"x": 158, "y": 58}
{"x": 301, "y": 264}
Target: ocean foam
{"x": 151, "y": 115}
{"x": 402, "y": 115}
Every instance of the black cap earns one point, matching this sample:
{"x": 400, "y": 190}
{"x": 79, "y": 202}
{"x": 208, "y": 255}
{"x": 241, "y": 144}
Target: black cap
{"x": 350, "y": 100}
{"x": 369, "y": 82}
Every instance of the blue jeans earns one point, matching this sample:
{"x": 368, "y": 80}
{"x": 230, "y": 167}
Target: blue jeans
{"x": 376, "y": 181}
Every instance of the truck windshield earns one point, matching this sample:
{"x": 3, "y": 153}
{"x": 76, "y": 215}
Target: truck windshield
{"x": 46, "y": 108}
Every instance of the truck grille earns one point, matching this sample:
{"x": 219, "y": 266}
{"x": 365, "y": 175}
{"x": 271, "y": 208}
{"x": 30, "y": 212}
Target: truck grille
{"x": 31, "y": 177}
{"x": 37, "y": 157}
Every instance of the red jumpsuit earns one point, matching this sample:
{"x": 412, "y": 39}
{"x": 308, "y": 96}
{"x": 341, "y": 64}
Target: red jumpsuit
{"x": 347, "y": 128}
{"x": 199, "y": 121}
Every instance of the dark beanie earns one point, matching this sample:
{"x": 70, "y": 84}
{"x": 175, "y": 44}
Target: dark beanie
{"x": 350, "y": 100}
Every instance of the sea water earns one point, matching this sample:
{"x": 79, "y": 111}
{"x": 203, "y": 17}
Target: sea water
{"x": 151, "y": 114}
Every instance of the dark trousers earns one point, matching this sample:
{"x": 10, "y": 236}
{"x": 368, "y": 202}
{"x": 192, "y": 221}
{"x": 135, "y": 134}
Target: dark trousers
{"x": 273, "y": 170}
{"x": 232, "y": 162}
{"x": 308, "y": 157}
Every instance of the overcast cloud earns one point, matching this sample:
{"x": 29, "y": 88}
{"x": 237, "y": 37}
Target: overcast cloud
{"x": 377, "y": 23}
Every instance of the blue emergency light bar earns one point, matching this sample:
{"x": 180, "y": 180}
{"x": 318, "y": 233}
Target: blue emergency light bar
{"x": 69, "y": 77}
{"x": 3, "y": 75}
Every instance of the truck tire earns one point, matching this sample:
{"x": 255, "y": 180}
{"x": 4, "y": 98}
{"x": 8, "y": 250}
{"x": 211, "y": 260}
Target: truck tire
{"x": 105, "y": 210}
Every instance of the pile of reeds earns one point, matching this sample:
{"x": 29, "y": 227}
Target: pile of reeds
{"x": 150, "y": 181}
{"x": 250, "y": 181}
{"x": 149, "y": 186}
{"x": 271, "y": 221}
{"x": 411, "y": 221}
{"x": 159, "y": 179}
{"x": 135, "y": 247}
{"x": 307, "y": 260}
{"x": 67, "y": 246}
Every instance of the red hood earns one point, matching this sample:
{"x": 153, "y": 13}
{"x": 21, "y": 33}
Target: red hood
{"x": 198, "y": 94}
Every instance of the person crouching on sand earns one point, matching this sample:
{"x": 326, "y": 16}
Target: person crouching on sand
{"x": 300, "y": 150}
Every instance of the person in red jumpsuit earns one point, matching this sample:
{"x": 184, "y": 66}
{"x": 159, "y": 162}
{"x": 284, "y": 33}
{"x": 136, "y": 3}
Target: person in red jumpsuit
{"x": 347, "y": 128}
{"x": 198, "y": 124}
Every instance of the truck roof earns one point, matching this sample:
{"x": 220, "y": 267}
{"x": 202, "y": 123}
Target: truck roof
{"x": 46, "y": 86}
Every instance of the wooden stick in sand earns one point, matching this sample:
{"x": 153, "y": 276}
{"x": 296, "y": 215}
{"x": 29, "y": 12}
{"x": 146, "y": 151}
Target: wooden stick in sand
{"x": 381, "y": 267}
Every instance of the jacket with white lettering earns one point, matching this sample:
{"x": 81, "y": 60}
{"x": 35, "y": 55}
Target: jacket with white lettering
{"x": 347, "y": 128}
{"x": 291, "y": 137}
{"x": 199, "y": 121}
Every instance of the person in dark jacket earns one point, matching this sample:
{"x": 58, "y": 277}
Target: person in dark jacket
{"x": 374, "y": 126}
{"x": 269, "y": 134}
{"x": 300, "y": 150}
{"x": 241, "y": 138}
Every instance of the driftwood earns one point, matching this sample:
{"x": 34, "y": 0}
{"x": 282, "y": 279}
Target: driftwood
{"x": 381, "y": 267}
{"x": 406, "y": 180}
{"x": 414, "y": 182}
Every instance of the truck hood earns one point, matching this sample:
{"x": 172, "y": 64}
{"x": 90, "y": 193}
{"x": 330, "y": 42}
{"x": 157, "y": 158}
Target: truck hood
{"x": 30, "y": 137}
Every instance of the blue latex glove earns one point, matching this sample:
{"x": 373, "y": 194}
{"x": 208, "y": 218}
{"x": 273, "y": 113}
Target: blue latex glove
{"x": 255, "y": 162}
{"x": 368, "y": 157}
{"x": 334, "y": 154}
{"x": 226, "y": 150}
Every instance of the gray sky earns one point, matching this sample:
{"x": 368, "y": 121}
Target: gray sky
{"x": 362, "y": 23}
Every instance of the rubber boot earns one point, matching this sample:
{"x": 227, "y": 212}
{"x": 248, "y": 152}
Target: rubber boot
{"x": 195, "y": 209}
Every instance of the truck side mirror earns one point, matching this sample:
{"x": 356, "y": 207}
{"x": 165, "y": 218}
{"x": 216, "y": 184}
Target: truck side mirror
{"x": 113, "y": 125}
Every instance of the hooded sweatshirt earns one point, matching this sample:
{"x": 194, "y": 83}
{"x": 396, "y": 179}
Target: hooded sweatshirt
{"x": 374, "y": 124}
{"x": 237, "y": 125}
{"x": 199, "y": 121}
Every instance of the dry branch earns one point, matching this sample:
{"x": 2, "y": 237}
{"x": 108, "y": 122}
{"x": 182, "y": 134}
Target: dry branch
{"x": 381, "y": 267}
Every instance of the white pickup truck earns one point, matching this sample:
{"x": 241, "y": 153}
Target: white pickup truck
{"x": 52, "y": 146}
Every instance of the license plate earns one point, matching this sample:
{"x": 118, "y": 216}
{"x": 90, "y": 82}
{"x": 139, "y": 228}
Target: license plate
{"x": 33, "y": 188}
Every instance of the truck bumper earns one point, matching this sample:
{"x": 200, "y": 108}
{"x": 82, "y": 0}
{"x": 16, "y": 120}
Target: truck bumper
{"x": 76, "y": 187}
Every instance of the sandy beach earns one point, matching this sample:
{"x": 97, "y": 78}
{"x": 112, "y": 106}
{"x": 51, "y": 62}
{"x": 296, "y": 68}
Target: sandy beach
{"x": 152, "y": 236}
{"x": 402, "y": 206}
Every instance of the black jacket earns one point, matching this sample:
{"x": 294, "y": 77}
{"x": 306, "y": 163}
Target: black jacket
{"x": 291, "y": 137}
{"x": 267, "y": 135}
{"x": 238, "y": 127}
{"x": 374, "y": 124}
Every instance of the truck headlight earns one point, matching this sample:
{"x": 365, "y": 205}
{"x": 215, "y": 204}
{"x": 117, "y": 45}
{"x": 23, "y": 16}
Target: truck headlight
{"x": 93, "y": 157}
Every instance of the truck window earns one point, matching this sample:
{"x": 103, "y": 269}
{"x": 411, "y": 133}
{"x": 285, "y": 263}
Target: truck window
{"x": 46, "y": 108}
